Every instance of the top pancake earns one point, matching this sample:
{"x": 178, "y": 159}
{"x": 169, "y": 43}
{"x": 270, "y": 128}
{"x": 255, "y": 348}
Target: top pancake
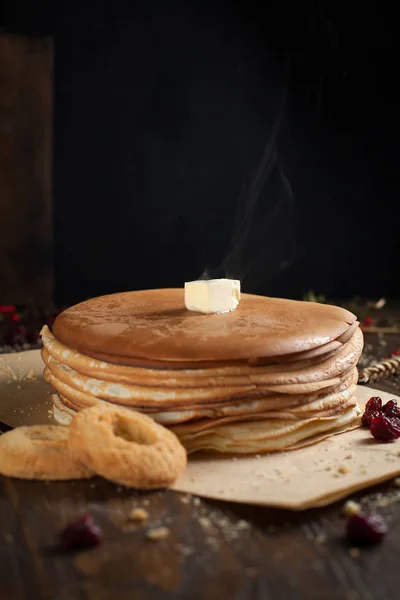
{"x": 155, "y": 325}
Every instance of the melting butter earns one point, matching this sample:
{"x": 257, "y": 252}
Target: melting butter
{"x": 214, "y": 296}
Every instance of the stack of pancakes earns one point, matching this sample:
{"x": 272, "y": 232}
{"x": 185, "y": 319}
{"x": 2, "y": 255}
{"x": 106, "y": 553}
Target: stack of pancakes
{"x": 272, "y": 375}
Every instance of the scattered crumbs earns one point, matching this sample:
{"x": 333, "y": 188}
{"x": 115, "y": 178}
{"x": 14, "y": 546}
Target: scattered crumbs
{"x": 349, "y": 456}
{"x": 363, "y": 471}
{"x": 192, "y": 479}
{"x": 320, "y": 539}
{"x": 185, "y": 499}
{"x": 234, "y": 458}
{"x": 205, "y": 522}
{"x": 351, "y": 508}
{"x": 383, "y": 501}
{"x": 138, "y": 514}
{"x": 278, "y": 471}
{"x": 242, "y": 524}
{"x": 328, "y": 468}
{"x": 354, "y": 552}
{"x": 18, "y": 387}
{"x": 251, "y": 572}
{"x": 157, "y": 534}
{"x": 31, "y": 375}
{"x": 396, "y": 482}
{"x": 343, "y": 470}
{"x": 196, "y": 501}
{"x": 257, "y": 456}
{"x": 221, "y": 492}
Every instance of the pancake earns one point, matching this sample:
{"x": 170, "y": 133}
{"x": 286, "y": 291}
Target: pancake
{"x": 222, "y": 376}
{"x": 259, "y": 436}
{"x": 270, "y": 375}
{"x": 140, "y": 325}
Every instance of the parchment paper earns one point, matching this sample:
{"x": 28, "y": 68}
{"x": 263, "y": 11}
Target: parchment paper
{"x": 313, "y": 476}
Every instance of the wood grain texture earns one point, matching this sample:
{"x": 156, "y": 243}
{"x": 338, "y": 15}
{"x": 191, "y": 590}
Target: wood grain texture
{"x": 25, "y": 170}
{"x": 210, "y": 553}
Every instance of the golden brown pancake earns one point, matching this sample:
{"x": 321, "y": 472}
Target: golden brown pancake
{"x": 155, "y": 325}
{"x": 272, "y": 374}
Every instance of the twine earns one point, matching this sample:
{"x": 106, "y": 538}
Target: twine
{"x": 380, "y": 370}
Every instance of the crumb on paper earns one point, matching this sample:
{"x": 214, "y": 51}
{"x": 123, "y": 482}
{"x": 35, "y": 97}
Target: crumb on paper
{"x": 351, "y": 508}
{"x": 185, "y": 499}
{"x": 328, "y": 468}
{"x": 138, "y": 514}
{"x": 31, "y": 375}
{"x": 354, "y": 552}
{"x": 158, "y": 534}
{"x": 343, "y": 470}
{"x": 348, "y": 456}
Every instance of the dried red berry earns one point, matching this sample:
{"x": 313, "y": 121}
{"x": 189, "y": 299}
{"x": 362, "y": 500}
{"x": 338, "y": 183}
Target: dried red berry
{"x": 391, "y": 410}
{"x": 7, "y": 309}
{"x": 384, "y": 429}
{"x": 365, "y": 528}
{"x": 367, "y": 322}
{"x": 82, "y": 533}
{"x": 373, "y": 409}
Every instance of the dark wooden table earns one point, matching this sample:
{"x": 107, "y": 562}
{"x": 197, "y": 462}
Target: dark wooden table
{"x": 215, "y": 550}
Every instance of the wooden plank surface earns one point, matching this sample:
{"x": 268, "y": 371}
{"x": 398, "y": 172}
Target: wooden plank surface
{"x": 215, "y": 550}
{"x": 25, "y": 170}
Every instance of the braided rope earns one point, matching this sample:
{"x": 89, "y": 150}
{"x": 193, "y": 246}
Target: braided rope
{"x": 380, "y": 370}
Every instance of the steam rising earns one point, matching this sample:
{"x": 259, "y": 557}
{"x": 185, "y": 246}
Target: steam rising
{"x": 263, "y": 239}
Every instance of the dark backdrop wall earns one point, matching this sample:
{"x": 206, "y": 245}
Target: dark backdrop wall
{"x": 163, "y": 111}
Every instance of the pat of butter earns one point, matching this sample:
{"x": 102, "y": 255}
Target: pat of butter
{"x": 212, "y": 296}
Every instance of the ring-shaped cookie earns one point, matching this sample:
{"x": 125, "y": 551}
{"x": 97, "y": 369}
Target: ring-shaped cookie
{"x": 40, "y": 452}
{"x": 127, "y": 447}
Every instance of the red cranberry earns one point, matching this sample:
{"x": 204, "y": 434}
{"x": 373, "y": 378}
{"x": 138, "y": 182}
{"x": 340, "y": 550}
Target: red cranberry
{"x": 7, "y": 309}
{"x": 82, "y": 533}
{"x": 384, "y": 429}
{"x": 373, "y": 408}
{"x": 367, "y": 322}
{"x": 391, "y": 410}
{"x": 365, "y": 529}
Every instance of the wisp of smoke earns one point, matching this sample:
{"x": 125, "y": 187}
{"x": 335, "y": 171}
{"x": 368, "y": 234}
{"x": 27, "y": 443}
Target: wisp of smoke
{"x": 263, "y": 240}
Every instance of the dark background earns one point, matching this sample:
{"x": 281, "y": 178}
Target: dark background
{"x": 162, "y": 114}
